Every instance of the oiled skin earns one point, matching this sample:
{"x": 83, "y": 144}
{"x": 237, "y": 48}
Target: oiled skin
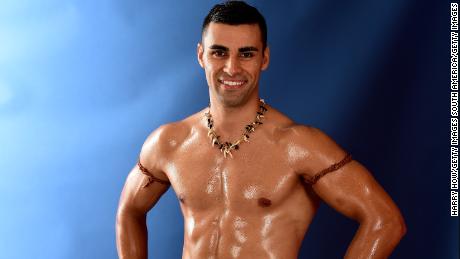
{"x": 253, "y": 205}
{"x": 220, "y": 198}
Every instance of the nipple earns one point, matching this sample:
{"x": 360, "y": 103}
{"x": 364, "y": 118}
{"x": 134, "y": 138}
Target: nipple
{"x": 264, "y": 202}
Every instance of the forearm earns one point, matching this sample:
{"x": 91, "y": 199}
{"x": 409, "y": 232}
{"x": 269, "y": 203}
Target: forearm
{"x": 131, "y": 235}
{"x": 375, "y": 240}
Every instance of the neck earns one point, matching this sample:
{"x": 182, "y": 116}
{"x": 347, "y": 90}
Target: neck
{"x": 230, "y": 121}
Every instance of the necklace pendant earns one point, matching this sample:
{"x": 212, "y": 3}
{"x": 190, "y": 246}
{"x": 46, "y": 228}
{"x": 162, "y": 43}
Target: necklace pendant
{"x": 227, "y": 151}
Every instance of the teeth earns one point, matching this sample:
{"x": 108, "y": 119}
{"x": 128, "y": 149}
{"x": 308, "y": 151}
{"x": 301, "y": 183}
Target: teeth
{"x": 233, "y": 83}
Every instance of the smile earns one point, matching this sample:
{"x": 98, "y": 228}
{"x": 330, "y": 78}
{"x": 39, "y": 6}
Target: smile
{"x": 231, "y": 84}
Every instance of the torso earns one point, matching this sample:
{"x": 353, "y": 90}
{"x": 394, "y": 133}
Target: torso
{"x": 253, "y": 205}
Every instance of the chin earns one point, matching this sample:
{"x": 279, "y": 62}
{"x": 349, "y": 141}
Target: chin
{"x": 233, "y": 97}
{"x": 232, "y": 100}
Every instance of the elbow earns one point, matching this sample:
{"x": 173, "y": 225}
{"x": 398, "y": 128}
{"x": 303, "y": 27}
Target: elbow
{"x": 397, "y": 225}
{"x": 402, "y": 227}
{"x": 393, "y": 228}
{"x": 397, "y": 228}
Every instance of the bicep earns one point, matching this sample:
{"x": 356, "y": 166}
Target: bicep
{"x": 147, "y": 181}
{"x": 139, "y": 195}
{"x": 353, "y": 191}
{"x": 342, "y": 183}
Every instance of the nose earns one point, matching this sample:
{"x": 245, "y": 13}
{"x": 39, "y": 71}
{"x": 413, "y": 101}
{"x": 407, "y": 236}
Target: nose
{"x": 232, "y": 66}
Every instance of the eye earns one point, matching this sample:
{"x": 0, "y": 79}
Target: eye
{"x": 218, "y": 53}
{"x": 247, "y": 54}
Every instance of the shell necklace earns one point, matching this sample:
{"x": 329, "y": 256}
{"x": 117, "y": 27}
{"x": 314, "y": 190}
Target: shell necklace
{"x": 227, "y": 147}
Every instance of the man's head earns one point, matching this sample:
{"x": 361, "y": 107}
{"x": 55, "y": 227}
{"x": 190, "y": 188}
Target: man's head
{"x": 233, "y": 51}
{"x": 236, "y": 13}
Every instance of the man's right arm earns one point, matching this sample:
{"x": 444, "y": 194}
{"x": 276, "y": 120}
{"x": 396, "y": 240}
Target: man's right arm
{"x": 140, "y": 193}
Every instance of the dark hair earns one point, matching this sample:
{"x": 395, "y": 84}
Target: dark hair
{"x": 236, "y": 13}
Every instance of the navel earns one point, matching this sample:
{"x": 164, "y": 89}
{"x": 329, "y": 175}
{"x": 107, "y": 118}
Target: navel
{"x": 264, "y": 202}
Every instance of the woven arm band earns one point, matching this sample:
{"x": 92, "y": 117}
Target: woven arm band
{"x": 331, "y": 168}
{"x": 150, "y": 176}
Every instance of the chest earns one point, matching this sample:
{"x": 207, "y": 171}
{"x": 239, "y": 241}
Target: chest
{"x": 257, "y": 177}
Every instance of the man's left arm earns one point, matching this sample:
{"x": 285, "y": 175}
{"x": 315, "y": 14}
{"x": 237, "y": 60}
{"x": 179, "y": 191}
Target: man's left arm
{"x": 348, "y": 187}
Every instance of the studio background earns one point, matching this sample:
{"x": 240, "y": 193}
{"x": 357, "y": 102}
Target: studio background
{"x": 83, "y": 83}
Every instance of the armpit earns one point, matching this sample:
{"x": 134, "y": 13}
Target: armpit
{"x": 330, "y": 169}
{"x": 151, "y": 177}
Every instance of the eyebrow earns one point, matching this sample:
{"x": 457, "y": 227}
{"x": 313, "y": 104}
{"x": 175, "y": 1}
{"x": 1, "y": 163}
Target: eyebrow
{"x": 243, "y": 49}
{"x": 218, "y": 47}
{"x": 247, "y": 49}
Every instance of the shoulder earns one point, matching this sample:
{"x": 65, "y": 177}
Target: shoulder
{"x": 309, "y": 136}
{"x": 287, "y": 129}
{"x": 310, "y": 150}
{"x": 164, "y": 140}
{"x": 315, "y": 140}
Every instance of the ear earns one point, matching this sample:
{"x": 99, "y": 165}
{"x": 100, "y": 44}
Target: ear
{"x": 199, "y": 53}
{"x": 266, "y": 58}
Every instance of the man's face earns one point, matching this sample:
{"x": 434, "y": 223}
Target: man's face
{"x": 232, "y": 57}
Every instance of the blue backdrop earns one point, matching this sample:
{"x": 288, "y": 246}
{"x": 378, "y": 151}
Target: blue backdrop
{"x": 82, "y": 84}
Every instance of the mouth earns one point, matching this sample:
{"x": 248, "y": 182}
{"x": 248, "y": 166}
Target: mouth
{"x": 232, "y": 84}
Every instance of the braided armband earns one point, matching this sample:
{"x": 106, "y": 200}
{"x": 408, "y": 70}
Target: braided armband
{"x": 151, "y": 178}
{"x": 330, "y": 169}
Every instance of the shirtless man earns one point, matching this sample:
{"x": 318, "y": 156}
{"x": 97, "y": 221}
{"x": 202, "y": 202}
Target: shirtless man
{"x": 248, "y": 178}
